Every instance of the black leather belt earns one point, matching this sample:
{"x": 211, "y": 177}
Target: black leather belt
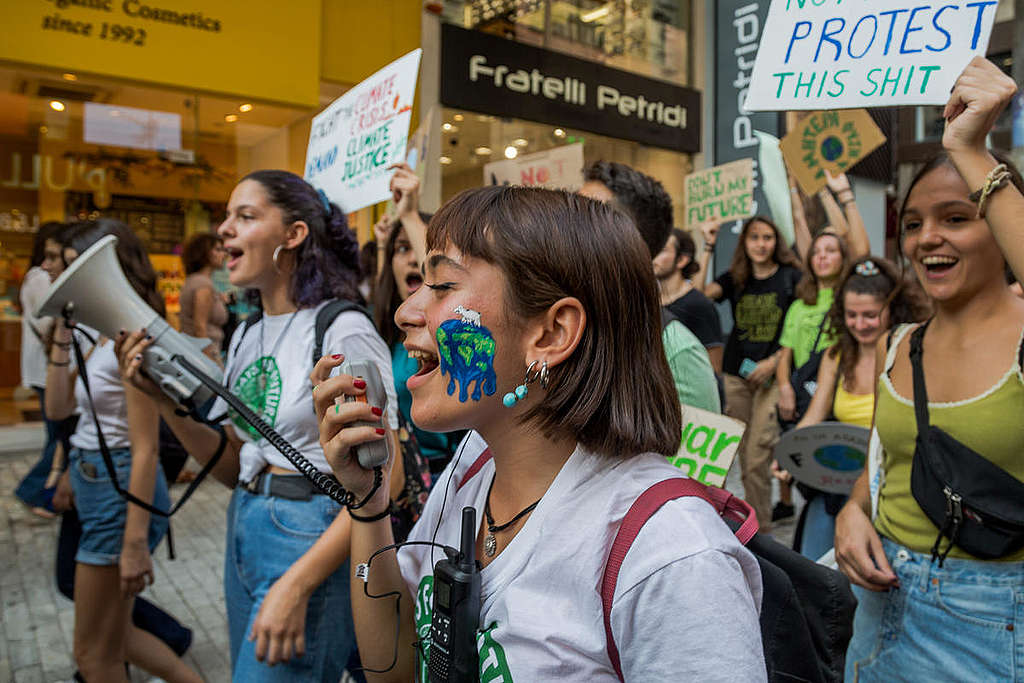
{"x": 288, "y": 486}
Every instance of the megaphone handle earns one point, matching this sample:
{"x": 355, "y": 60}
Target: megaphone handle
{"x": 326, "y": 483}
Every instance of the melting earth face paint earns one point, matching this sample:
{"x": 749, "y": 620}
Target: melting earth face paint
{"x": 466, "y": 354}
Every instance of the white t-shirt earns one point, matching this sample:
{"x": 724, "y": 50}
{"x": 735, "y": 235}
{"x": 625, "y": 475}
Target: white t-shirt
{"x": 686, "y": 602}
{"x": 108, "y": 395}
{"x": 283, "y": 397}
{"x": 33, "y": 354}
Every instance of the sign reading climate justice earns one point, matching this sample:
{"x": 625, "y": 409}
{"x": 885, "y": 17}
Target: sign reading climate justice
{"x": 831, "y": 54}
{"x": 354, "y": 140}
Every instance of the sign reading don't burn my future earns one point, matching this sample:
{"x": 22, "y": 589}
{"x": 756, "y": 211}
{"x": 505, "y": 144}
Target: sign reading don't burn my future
{"x": 831, "y": 54}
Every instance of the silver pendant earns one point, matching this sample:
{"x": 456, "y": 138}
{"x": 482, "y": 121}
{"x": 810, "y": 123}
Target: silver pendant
{"x": 490, "y": 545}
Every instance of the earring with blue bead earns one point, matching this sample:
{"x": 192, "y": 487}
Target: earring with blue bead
{"x": 533, "y": 374}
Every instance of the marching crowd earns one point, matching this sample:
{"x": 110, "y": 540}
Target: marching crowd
{"x": 535, "y": 346}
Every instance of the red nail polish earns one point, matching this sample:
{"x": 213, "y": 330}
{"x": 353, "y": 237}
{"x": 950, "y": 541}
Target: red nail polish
{"x": 376, "y": 411}
{"x": 380, "y": 431}
{"x": 336, "y": 356}
{"x": 359, "y": 384}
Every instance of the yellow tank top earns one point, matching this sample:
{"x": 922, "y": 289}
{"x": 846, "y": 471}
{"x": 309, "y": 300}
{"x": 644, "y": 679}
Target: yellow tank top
{"x": 854, "y": 409}
{"x": 990, "y": 424}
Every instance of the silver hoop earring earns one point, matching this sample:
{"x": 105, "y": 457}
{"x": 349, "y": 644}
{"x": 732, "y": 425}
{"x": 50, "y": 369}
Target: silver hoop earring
{"x": 277, "y": 252}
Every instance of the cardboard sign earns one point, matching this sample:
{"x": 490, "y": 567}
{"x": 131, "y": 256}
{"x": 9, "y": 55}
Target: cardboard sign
{"x": 722, "y": 193}
{"x": 560, "y": 168}
{"x": 708, "y": 446}
{"x": 354, "y": 140}
{"x": 833, "y": 140}
{"x": 830, "y": 54}
{"x": 829, "y": 456}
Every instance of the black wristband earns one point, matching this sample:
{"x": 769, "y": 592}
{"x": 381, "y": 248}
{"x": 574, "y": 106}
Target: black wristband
{"x": 62, "y": 345}
{"x": 372, "y": 518}
{"x": 59, "y": 364}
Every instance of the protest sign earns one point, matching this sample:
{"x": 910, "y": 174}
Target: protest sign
{"x": 830, "y": 54}
{"x": 354, "y": 140}
{"x": 722, "y": 193}
{"x": 708, "y": 445}
{"x": 829, "y": 456}
{"x": 559, "y": 168}
{"x": 832, "y": 140}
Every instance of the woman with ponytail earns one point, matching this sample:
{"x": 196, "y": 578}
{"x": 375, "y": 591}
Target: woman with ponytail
{"x": 286, "y": 566}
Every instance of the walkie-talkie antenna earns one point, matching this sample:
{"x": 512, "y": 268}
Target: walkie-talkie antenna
{"x": 467, "y": 554}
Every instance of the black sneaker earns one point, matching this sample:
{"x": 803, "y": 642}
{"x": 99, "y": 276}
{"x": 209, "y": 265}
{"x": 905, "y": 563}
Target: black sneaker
{"x": 782, "y": 511}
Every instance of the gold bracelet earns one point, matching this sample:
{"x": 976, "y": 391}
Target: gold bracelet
{"x": 997, "y": 178}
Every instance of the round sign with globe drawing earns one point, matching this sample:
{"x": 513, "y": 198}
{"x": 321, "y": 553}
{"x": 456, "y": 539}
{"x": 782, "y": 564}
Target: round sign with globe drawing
{"x": 829, "y": 456}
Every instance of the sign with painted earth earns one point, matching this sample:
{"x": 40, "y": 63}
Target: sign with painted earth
{"x": 828, "y": 457}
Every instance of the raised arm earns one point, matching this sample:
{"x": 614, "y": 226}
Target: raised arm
{"x": 801, "y": 231}
{"x": 856, "y": 234}
{"x": 405, "y": 189}
{"x": 711, "y": 289}
{"x": 981, "y": 93}
{"x": 60, "y": 380}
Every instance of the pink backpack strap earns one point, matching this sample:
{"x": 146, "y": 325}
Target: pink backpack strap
{"x": 649, "y": 502}
{"x": 474, "y": 468}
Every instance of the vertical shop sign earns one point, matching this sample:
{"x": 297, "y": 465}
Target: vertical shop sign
{"x": 738, "y": 28}
{"x": 354, "y": 140}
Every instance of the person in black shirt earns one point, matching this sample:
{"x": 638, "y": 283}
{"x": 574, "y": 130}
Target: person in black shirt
{"x": 759, "y": 286}
{"x": 674, "y": 266}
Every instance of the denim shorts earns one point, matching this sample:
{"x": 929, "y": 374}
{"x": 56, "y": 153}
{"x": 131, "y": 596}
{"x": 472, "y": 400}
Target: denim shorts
{"x": 102, "y": 510}
{"x": 955, "y": 623}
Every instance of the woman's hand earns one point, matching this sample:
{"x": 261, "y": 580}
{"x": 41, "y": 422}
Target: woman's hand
{"x": 136, "y": 567}
{"x": 837, "y": 183}
{"x": 128, "y": 346}
{"x": 280, "y": 626}
{"x": 405, "y": 189}
{"x": 782, "y": 475}
{"x": 787, "y": 401}
{"x": 763, "y": 372}
{"x": 64, "y": 497}
{"x": 979, "y": 96}
{"x": 337, "y": 435}
{"x": 710, "y": 232}
{"x": 382, "y": 230}
{"x": 859, "y": 550}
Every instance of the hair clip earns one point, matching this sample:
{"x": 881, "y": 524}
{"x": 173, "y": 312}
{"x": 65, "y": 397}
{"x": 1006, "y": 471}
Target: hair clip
{"x": 867, "y": 269}
{"x": 325, "y": 200}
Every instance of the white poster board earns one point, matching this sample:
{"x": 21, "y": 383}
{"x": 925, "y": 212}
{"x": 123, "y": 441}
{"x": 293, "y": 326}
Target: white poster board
{"x": 830, "y": 54}
{"x": 708, "y": 446}
{"x": 559, "y": 168}
{"x": 828, "y": 457}
{"x": 354, "y": 140}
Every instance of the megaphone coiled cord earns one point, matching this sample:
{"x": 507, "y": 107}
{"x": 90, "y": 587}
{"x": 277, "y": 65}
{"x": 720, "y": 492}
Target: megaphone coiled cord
{"x": 325, "y": 482}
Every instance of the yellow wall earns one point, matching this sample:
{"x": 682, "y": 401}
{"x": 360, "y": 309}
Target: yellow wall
{"x": 359, "y": 38}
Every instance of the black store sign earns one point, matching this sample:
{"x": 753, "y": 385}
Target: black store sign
{"x": 491, "y": 75}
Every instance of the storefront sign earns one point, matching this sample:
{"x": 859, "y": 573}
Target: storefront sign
{"x": 739, "y": 25}
{"x": 721, "y": 193}
{"x": 107, "y": 124}
{"x": 560, "y": 168}
{"x": 828, "y": 457}
{"x": 709, "y": 444}
{"x": 829, "y": 140}
{"x": 483, "y": 73}
{"x": 827, "y": 54}
{"x": 261, "y": 49}
{"x": 353, "y": 141}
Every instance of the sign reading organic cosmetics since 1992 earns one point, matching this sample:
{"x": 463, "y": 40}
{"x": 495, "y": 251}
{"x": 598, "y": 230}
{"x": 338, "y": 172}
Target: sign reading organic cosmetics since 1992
{"x": 354, "y": 140}
{"x": 830, "y": 54}
{"x": 491, "y": 75}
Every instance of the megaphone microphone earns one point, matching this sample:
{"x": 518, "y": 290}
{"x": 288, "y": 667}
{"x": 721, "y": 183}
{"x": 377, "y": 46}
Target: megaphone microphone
{"x": 95, "y": 291}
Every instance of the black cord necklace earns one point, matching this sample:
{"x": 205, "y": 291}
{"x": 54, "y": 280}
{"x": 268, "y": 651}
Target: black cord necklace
{"x": 490, "y": 543}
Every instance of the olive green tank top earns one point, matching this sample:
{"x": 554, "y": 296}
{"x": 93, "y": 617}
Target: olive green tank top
{"x": 991, "y": 424}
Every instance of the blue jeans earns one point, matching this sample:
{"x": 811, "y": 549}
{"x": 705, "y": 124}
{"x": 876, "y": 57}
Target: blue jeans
{"x": 265, "y": 536}
{"x": 102, "y": 510}
{"x": 957, "y": 623}
{"x": 31, "y": 490}
{"x": 819, "y": 530}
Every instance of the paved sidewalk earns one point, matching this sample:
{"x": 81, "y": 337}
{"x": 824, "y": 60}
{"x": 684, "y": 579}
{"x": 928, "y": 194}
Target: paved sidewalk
{"x": 37, "y": 622}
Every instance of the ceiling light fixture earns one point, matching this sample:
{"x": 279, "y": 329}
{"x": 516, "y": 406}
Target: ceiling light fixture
{"x": 482, "y": 151}
{"x": 231, "y": 118}
{"x": 245, "y": 107}
{"x": 446, "y": 160}
{"x": 594, "y": 15}
{"x": 511, "y": 152}
{"x": 69, "y": 77}
{"x": 520, "y": 142}
{"x": 458, "y": 117}
{"x": 57, "y": 105}
{"x": 559, "y": 133}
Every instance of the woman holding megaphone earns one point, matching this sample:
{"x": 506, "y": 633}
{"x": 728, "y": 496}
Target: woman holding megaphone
{"x": 113, "y": 557}
{"x": 285, "y": 574}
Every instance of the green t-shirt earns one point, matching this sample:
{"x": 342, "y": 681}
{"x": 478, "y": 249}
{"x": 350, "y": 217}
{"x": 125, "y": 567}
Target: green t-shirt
{"x": 691, "y": 368}
{"x": 801, "y": 327}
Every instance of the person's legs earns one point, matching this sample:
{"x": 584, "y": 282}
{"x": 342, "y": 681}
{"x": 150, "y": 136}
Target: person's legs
{"x": 101, "y": 619}
{"x": 31, "y": 488}
{"x": 758, "y": 443}
{"x": 151, "y": 654}
{"x": 67, "y": 546}
{"x": 819, "y": 529}
{"x": 238, "y": 599}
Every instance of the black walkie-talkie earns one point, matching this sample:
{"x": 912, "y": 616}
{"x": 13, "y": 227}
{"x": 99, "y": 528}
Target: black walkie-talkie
{"x": 453, "y": 655}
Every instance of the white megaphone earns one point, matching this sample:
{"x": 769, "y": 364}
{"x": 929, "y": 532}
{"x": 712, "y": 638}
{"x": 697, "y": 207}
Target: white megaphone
{"x": 101, "y": 298}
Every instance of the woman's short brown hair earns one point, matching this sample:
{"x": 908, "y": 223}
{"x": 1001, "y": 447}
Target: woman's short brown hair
{"x": 196, "y": 254}
{"x": 615, "y": 392}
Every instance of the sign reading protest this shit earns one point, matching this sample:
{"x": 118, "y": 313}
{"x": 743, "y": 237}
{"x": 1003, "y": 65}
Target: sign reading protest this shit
{"x": 709, "y": 444}
{"x": 831, "y": 54}
{"x": 829, "y": 140}
{"x": 722, "y": 193}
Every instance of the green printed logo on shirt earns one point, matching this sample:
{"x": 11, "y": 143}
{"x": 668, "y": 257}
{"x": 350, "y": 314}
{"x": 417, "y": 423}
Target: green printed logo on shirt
{"x": 259, "y": 388}
{"x": 758, "y": 317}
{"x": 493, "y": 664}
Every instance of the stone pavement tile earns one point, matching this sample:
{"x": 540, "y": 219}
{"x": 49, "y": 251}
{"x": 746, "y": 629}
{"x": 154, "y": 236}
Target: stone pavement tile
{"x": 29, "y": 674}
